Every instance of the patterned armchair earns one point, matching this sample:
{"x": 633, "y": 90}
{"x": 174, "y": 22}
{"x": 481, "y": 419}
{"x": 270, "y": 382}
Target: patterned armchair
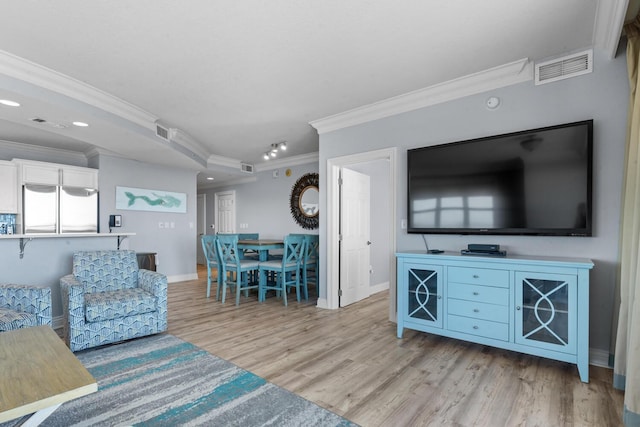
{"x": 107, "y": 299}
{"x": 22, "y": 306}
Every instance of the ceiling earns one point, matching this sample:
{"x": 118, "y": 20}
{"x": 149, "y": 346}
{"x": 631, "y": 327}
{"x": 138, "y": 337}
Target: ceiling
{"x": 230, "y": 78}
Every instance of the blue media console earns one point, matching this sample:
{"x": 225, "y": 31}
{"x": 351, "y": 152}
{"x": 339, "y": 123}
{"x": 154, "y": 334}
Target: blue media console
{"x": 533, "y": 305}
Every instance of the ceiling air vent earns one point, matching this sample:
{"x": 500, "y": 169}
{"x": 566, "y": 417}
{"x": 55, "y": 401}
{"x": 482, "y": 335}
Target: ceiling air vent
{"x": 162, "y": 132}
{"x": 246, "y": 167}
{"x": 565, "y": 67}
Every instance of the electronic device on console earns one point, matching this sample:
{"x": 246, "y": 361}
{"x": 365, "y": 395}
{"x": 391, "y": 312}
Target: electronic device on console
{"x": 483, "y": 250}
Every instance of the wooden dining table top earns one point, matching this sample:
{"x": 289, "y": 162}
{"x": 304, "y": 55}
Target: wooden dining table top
{"x": 261, "y": 242}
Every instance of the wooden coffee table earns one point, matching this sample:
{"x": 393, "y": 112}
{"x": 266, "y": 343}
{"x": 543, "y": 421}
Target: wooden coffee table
{"x": 38, "y": 373}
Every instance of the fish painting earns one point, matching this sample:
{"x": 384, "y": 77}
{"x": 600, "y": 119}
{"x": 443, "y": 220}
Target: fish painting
{"x": 166, "y": 201}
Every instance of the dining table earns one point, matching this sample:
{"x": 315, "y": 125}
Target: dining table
{"x": 261, "y": 246}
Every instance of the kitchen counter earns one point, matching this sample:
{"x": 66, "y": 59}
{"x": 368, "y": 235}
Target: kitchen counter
{"x": 26, "y": 238}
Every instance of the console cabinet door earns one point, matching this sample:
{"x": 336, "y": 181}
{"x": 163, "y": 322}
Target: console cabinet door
{"x": 546, "y": 311}
{"x": 423, "y": 296}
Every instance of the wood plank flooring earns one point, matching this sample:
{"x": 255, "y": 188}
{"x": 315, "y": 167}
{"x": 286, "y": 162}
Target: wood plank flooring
{"x": 350, "y": 362}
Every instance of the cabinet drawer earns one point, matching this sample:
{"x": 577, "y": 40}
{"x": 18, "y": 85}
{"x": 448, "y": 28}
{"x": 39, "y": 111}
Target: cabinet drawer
{"x": 478, "y": 310}
{"x": 482, "y": 328}
{"x": 480, "y": 276}
{"x": 478, "y": 293}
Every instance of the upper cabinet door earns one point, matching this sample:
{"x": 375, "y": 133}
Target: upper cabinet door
{"x": 80, "y": 177}
{"x": 9, "y": 190}
{"x": 40, "y": 174}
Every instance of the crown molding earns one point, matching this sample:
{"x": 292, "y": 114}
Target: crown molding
{"x": 504, "y": 75}
{"x": 610, "y": 18}
{"x": 44, "y": 152}
{"x": 288, "y": 162}
{"x": 46, "y": 78}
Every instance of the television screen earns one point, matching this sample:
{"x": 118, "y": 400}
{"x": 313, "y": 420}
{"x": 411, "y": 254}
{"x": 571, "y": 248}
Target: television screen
{"x": 535, "y": 182}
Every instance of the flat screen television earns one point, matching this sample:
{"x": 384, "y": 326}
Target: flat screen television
{"x": 533, "y": 182}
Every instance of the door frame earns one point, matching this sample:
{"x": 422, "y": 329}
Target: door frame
{"x": 201, "y": 218}
{"x": 333, "y": 223}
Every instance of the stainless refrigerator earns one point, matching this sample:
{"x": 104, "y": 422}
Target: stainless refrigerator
{"x": 52, "y": 209}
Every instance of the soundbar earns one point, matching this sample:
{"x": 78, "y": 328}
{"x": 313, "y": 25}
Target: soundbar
{"x": 483, "y": 253}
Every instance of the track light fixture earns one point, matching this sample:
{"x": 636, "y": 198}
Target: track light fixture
{"x": 273, "y": 151}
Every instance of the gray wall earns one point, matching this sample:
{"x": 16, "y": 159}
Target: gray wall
{"x": 264, "y": 203}
{"x": 601, "y": 95}
{"x": 46, "y": 260}
{"x": 175, "y": 247}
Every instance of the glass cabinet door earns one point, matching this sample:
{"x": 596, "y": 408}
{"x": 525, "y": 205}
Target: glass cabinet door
{"x": 424, "y": 294}
{"x": 546, "y": 311}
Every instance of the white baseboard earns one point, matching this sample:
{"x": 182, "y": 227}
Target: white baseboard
{"x": 379, "y": 287}
{"x": 322, "y": 303}
{"x": 599, "y": 358}
{"x": 182, "y": 277}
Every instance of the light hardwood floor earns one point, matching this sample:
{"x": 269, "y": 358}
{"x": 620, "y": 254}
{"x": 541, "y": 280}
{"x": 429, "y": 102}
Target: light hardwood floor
{"x": 350, "y": 362}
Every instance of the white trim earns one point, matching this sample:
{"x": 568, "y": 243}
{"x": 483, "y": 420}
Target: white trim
{"x": 608, "y": 26}
{"x": 380, "y": 287}
{"x": 72, "y": 156}
{"x": 322, "y": 303}
{"x": 501, "y": 76}
{"x": 333, "y": 222}
{"x": 29, "y": 72}
{"x": 182, "y": 277}
{"x": 268, "y": 165}
{"x": 599, "y": 358}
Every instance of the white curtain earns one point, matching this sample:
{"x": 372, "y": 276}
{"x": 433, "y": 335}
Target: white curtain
{"x": 627, "y": 350}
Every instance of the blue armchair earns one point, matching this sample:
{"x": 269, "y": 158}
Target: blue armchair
{"x": 107, "y": 299}
{"x": 22, "y": 306}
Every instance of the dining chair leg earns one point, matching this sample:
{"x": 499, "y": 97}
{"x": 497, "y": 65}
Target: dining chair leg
{"x": 209, "y": 282}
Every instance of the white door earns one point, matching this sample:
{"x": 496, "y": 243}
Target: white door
{"x": 355, "y": 231}
{"x": 201, "y": 219}
{"x": 225, "y": 212}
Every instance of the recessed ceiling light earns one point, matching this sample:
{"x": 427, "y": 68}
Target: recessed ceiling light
{"x": 9, "y": 103}
{"x": 81, "y": 124}
{"x": 210, "y": 178}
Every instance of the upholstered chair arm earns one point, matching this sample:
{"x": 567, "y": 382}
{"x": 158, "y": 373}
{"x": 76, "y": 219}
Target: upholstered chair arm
{"x": 28, "y": 299}
{"x": 156, "y": 284}
{"x": 72, "y": 293}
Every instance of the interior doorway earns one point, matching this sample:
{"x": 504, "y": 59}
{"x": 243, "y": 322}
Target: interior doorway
{"x": 334, "y": 167}
{"x": 225, "y": 212}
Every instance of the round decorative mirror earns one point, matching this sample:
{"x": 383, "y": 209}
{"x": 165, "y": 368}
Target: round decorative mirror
{"x": 304, "y": 201}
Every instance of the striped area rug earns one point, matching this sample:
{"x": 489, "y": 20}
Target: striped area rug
{"x": 162, "y": 380}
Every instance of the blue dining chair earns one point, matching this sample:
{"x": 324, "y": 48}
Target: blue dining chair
{"x": 310, "y": 261}
{"x": 240, "y": 269}
{"x": 286, "y": 271}
{"x": 211, "y": 256}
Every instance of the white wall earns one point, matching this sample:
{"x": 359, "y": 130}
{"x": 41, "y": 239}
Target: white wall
{"x": 601, "y": 95}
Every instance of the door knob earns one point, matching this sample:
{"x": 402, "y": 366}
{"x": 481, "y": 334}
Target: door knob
{"x": 368, "y": 242}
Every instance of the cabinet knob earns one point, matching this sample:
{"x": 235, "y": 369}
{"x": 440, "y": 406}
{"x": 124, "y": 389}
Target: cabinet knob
{"x": 475, "y": 310}
{"x": 476, "y": 293}
{"x": 517, "y": 307}
{"x": 475, "y": 327}
{"x": 475, "y": 276}
{"x": 439, "y": 296}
